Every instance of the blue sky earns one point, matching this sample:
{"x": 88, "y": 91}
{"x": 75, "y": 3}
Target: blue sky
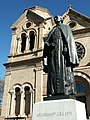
{"x": 11, "y": 10}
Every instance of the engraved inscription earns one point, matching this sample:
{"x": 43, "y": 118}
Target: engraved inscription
{"x": 54, "y": 114}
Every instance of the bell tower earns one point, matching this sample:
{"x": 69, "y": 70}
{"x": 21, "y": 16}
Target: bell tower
{"x": 24, "y": 71}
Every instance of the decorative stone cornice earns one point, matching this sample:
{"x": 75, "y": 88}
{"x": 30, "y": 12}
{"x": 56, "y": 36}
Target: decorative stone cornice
{"x": 81, "y": 31}
{"x": 28, "y": 62}
{"x": 39, "y": 8}
{"x": 75, "y": 13}
{"x": 26, "y": 53}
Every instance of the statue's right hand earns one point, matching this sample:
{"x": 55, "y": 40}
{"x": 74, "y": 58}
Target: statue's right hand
{"x": 52, "y": 46}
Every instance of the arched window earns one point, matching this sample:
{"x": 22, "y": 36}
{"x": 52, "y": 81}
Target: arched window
{"x": 80, "y": 88}
{"x": 22, "y": 100}
{"x": 17, "y": 99}
{"x": 23, "y": 44}
{"x": 32, "y": 40}
{"x": 27, "y": 100}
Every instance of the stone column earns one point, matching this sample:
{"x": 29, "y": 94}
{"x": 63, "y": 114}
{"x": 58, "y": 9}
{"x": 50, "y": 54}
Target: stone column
{"x": 35, "y": 43}
{"x": 12, "y": 109}
{"x": 6, "y": 95}
{"x": 13, "y": 44}
{"x": 22, "y": 103}
{"x": 31, "y": 101}
{"x": 18, "y": 45}
{"x": 17, "y": 49}
{"x": 40, "y": 36}
{"x": 27, "y": 44}
{"x": 39, "y": 84}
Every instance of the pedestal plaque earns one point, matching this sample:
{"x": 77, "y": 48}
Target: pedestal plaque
{"x": 65, "y": 109}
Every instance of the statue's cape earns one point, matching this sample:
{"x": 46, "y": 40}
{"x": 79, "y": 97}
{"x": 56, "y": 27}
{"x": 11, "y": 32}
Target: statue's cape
{"x": 70, "y": 41}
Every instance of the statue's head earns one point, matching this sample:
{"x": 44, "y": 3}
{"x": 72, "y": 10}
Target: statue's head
{"x": 58, "y": 19}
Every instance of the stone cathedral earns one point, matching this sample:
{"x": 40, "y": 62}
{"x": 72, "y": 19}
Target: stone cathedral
{"x": 25, "y": 81}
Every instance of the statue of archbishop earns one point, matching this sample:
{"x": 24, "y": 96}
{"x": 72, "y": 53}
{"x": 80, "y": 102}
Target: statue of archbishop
{"x": 59, "y": 59}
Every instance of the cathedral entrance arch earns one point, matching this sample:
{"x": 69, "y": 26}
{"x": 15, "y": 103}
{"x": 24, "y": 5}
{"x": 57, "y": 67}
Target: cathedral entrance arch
{"x": 83, "y": 88}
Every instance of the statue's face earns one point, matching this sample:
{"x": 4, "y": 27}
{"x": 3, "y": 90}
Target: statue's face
{"x": 58, "y": 19}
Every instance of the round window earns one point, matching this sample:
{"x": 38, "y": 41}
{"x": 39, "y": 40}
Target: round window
{"x": 72, "y": 24}
{"x": 28, "y": 25}
{"x": 80, "y": 50}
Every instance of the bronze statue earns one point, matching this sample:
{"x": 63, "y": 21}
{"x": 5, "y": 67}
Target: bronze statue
{"x": 60, "y": 57}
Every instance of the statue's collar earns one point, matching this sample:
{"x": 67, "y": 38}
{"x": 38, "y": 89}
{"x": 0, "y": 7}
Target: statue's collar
{"x": 58, "y": 24}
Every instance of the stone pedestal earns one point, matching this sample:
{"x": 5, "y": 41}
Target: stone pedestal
{"x": 65, "y": 109}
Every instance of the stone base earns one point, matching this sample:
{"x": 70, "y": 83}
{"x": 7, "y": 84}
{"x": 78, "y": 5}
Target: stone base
{"x": 66, "y": 109}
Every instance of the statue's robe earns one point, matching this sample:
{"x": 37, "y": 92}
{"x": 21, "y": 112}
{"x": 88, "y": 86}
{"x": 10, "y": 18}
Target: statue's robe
{"x": 61, "y": 54}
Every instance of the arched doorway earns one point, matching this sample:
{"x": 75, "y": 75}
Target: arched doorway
{"x": 83, "y": 90}
{"x": 81, "y": 94}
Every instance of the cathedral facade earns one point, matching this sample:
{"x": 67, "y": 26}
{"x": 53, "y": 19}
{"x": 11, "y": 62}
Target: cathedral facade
{"x": 25, "y": 81}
